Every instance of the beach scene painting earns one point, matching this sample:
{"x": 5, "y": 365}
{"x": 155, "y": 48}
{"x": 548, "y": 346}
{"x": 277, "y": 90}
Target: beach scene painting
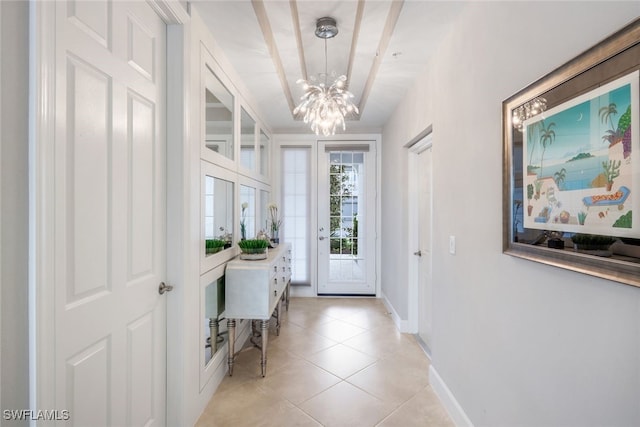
{"x": 581, "y": 162}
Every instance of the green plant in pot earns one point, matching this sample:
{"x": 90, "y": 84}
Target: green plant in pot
{"x": 253, "y": 246}
{"x": 529, "y": 197}
{"x": 213, "y": 245}
{"x": 593, "y": 244}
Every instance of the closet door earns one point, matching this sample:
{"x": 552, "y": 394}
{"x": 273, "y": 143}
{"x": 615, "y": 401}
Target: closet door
{"x": 110, "y": 243}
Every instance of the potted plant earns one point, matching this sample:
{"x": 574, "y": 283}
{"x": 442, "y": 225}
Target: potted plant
{"x": 593, "y": 244}
{"x": 582, "y": 216}
{"x": 213, "y": 245}
{"x": 529, "y": 197}
{"x": 611, "y": 172}
{"x": 243, "y": 218}
{"x": 538, "y": 186}
{"x": 274, "y": 222}
{"x": 253, "y": 249}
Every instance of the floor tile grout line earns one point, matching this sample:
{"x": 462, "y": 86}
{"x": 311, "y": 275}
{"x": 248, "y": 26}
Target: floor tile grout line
{"x": 364, "y": 313}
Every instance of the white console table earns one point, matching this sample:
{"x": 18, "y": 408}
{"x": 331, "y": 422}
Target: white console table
{"x": 255, "y": 290}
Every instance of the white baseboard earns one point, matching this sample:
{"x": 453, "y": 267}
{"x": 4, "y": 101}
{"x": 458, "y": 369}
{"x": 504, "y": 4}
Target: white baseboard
{"x": 402, "y": 325}
{"x": 457, "y": 414}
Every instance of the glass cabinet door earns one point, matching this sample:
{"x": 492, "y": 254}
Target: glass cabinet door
{"x": 218, "y": 116}
{"x": 264, "y": 153}
{"x": 247, "y": 212}
{"x": 247, "y": 141}
{"x": 218, "y": 214}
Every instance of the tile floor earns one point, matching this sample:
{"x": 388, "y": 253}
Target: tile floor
{"x": 337, "y": 362}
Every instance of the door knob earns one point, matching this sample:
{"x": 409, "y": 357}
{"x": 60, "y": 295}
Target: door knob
{"x": 419, "y": 253}
{"x": 321, "y": 238}
{"x": 164, "y": 288}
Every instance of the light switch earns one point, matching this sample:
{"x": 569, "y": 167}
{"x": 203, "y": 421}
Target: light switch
{"x": 452, "y": 245}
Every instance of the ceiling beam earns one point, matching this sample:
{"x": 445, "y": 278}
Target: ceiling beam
{"x": 267, "y": 33}
{"x": 390, "y": 25}
{"x": 354, "y": 39}
{"x": 293, "y": 4}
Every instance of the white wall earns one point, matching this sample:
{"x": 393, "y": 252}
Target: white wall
{"x": 516, "y": 342}
{"x": 14, "y": 372}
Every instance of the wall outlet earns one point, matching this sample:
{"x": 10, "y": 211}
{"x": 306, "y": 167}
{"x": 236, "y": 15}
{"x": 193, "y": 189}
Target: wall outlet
{"x": 452, "y": 245}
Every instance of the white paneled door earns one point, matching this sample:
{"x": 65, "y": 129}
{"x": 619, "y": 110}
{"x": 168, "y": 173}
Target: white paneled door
{"x": 346, "y": 218}
{"x": 424, "y": 199}
{"x": 420, "y": 222}
{"x": 110, "y": 245}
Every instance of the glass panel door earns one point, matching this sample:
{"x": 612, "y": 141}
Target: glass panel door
{"x": 247, "y": 141}
{"x": 346, "y": 220}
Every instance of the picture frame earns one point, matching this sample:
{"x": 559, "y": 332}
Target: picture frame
{"x": 571, "y": 163}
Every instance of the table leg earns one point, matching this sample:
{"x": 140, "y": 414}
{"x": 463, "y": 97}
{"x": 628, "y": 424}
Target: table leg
{"x": 213, "y": 335}
{"x": 264, "y": 330}
{"x": 286, "y": 292}
{"x": 231, "y": 329}
{"x": 279, "y": 311}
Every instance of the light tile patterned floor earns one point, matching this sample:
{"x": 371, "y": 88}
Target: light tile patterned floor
{"x": 337, "y": 362}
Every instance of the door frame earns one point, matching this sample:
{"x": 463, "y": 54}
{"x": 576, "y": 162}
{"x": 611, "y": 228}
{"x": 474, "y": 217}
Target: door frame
{"x": 422, "y": 142}
{"x": 42, "y": 126}
{"x": 311, "y": 141}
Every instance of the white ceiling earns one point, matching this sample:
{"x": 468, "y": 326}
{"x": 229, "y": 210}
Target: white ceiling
{"x": 381, "y": 46}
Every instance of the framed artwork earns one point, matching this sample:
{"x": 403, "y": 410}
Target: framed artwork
{"x": 572, "y": 163}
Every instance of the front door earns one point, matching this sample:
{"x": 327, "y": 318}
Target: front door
{"x": 346, "y": 218}
{"x": 109, "y": 191}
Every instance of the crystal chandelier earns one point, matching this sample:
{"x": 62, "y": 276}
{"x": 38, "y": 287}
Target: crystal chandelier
{"x": 325, "y": 106}
{"x": 526, "y": 111}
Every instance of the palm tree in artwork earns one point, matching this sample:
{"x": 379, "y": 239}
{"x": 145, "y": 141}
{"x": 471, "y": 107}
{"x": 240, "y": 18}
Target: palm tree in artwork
{"x": 533, "y": 129}
{"x": 559, "y": 177}
{"x": 607, "y": 112}
{"x": 547, "y": 136}
{"x": 613, "y": 135}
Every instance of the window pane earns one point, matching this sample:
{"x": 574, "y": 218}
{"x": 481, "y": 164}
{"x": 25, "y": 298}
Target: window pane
{"x": 345, "y": 186}
{"x": 295, "y": 196}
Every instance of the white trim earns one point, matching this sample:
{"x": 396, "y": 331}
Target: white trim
{"x": 181, "y": 261}
{"x": 449, "y": 401}
{"x": 42, "y": 64}
{"x": 402, "y": 325}
{"x": 170, "y": 11}
{"x": 1, "y": 196}
{"x": 414, "y": 149}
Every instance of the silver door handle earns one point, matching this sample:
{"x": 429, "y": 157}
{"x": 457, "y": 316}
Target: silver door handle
{"x": 164, "y": 288}
{"x": 321, "y": 238}
{"x": 419, "y": 253}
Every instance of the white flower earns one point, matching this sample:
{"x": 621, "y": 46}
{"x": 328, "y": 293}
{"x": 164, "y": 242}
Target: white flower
{"x": 245, "y": 205}
{"x": 271, "y": 206}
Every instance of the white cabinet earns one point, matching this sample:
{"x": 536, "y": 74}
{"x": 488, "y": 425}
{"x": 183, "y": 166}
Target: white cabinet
{"x": 254, "y": 290}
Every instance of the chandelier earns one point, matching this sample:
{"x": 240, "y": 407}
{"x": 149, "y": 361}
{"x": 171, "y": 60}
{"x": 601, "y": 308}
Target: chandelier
{"x": 325, "y": 106}
{"x": 526, "y": 111}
